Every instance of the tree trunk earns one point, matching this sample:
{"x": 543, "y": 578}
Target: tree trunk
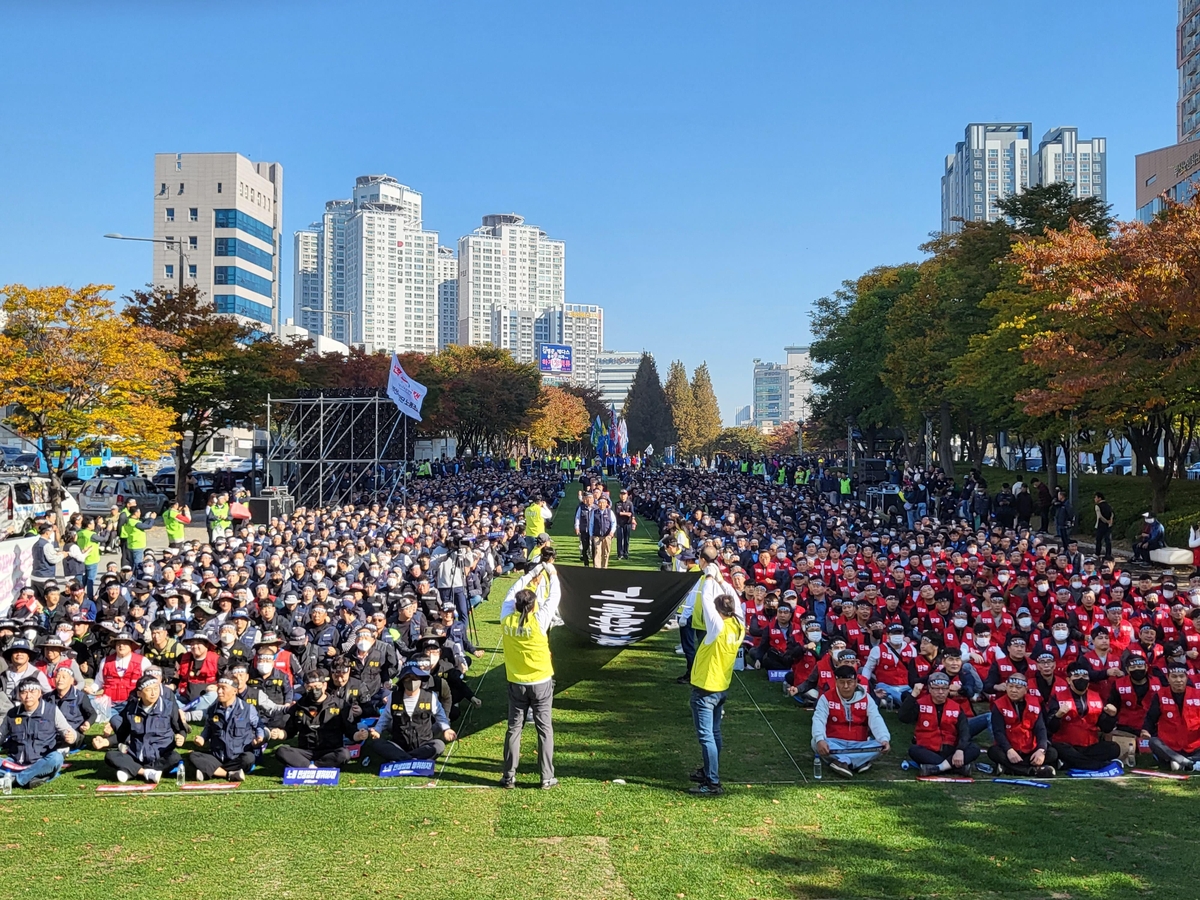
{"x": 1050, "y": 463}
{"x": 1160, "y": 485}
{"x": 945, "y": 451}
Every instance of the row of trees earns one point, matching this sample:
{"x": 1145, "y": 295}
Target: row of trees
{"x": 167, "y": 372}
{"x": 1055, "y": 323}
{"x": 682, "y": 413}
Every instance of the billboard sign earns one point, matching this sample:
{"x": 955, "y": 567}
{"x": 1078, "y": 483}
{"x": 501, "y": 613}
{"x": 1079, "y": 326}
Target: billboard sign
{"x": 555, "y": 359}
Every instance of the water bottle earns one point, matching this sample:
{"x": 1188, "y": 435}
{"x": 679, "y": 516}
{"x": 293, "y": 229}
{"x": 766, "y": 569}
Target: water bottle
{"x": 816, "y": 768}
{"x": 6, "y": 783}
{"x": 905, "y": 765}
{"x": 181, "y": 775}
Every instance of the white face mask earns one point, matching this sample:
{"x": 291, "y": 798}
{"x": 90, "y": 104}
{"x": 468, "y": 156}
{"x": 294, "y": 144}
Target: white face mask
{"x": 1168, "y": 592}
{"x": 1061, "y": 634}
{"x": 1043, "y": 588}
{"x": 264, "y": 668}
{"x": 982, "y": 642}
{"x": 960, "y": 622}
{"x": 227, "y": 639}
{"x": 896, "y": 640}
{"x": 1002, "y": 577}
{"x": 814, "y": 636}
{"x": 1125, "y": 581}
{"x": 1076, "y": 584}
{"x": 364, "y": 645}
{"x": 1025, "y": 621}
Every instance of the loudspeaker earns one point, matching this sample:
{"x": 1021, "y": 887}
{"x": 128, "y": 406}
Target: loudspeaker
{"x": 871, "y": 471}
{"x": 263, "y": 509}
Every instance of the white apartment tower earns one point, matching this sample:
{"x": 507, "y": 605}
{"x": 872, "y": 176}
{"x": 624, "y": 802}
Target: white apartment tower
{"x": 1062, "y": 156}
{"x": 390, "y": 269}
{"x": 506, "y": 263}
{"x": 227, "y": 212}
{"x": 306, "y": 286}
{"x": 991, "y": 163}
{"x": 799, "y": 373}
{"x": 447, "y": 297}
{"x": 334, "y": 320}
{"x": 583, "y": 328}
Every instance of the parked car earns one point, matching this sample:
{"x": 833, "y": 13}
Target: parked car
{"x": 1193, "y": 471}
{"x": 164, "y": 481}
{"x": 24, "y": 497}
{"x": 99, "y": 495}
{"x": 1121, "y": 466}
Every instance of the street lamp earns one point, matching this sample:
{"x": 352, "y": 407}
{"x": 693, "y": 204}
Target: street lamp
{"x": 122, "y": 237}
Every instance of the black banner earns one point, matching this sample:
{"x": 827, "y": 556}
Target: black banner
{"x": 616, "y": 607}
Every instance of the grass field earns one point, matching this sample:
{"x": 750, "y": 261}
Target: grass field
{"x": 618, "y": 716}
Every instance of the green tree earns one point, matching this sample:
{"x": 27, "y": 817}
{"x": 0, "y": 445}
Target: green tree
{"x": 741, "y": 441}
{"x": 682, "y": 406}
{"x": 481, "y": 396}
{"x": 708, "y": 411}
{"x": 226, "y": 369}
{"x": 646, "y": 412}
{"x": 74, "y": 374}
{"x": 1054, "y": 207}
{"x": 590, "y": 395}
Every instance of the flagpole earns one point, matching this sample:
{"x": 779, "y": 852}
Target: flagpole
{"x": 405, "y": 458}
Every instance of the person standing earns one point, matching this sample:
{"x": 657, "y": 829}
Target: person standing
{"x": 133, "y": 534}
{"x": 626, "y": 523}
{"x": 604, "y": 526}
{"x": 525, "y": 619}
{"x": 723, "y": 624}
{"x": 46, "y": 556}
{"x": 584, "y": 518}
{"x": 175, "y": 517}
{"x": 537, "y": 514}
{"x": 1104, "y": 524}
{"x": 1064, "y": 517}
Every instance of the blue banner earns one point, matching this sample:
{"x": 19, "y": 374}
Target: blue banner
{"x": 777, "y": 674}
{"x": 1112, "y": 770}
{"x": 293, "y": 775}
{"x": 421, "y": 768}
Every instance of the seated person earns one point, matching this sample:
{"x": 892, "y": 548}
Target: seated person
{"x": 147, "y": 733}
{"x": 1077, "y": 721}
{"x": 75, "y": 705}
{"x": 232, "y": 732}
{"x": 29, "y": 734}
{"x": 848, "y": 733}
{"x": 320, "y": 721}
{"x": 942, "y": 738}
{"x": 413, "y": 720}
{"x": 1173, "y": 722}
{"x": 1020, "y": 744}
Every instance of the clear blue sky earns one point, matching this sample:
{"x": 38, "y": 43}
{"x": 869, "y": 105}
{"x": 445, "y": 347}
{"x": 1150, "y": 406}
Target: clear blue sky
{"x": 713, "y": 167}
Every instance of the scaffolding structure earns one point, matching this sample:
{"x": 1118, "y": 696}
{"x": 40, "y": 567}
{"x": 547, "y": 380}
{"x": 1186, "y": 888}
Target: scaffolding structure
{"x": 338, "y": 447}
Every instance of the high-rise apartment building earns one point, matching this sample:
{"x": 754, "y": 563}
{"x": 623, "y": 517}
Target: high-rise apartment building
{"x": 227, "y": 211}
{"x": 992, "y": 162}
{"x": 799, "y": 374}
{"x": 1062, "y": 156}
{"x": 334, "y": 320}
{"x": 507, "y": 263}
{"x": 614, "y": 375}
{"x": 447, "y": 296}
{"x": 391, "y": 269}
{"x": 1187, "y": 59}
{"x": 583, "y": 329}
{"x": 306, "y": 286}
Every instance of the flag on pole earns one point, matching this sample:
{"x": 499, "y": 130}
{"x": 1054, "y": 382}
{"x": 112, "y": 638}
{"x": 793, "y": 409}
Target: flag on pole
{"x": 407, "y": 394}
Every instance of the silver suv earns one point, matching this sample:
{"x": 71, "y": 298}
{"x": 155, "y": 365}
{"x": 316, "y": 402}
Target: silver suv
{"x": 99, "y": 495}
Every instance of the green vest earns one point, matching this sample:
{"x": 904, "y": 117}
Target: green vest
{"x": 712, "y": 669}
{"x": 135, "y": 538}
{"x": 85, "y": 538}
{"x": 173, "y": 525}
{"x": 219, "y": 513}
{"x": 745, "y": 467}
{"x": 845, "y": 485}
{"x": 781, "y": 477}
{"x": 526, "y": 650}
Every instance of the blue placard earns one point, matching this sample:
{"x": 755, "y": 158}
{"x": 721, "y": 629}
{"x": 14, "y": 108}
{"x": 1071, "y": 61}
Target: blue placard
{"x": 421, "y": 768}
{"x": 777, "y": 674}
{"x": 292, "y": 775}
{"x": 1112, "y": 770}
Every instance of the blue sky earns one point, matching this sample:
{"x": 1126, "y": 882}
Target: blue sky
{"x": 713, "y": 167}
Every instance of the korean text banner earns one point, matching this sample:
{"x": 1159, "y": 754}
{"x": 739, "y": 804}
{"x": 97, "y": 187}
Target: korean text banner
{"x": 617, "y": 607}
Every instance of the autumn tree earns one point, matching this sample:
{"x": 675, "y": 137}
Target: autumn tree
{"x": 558, "y": 417}
{"x": 75, "y": 375}
{"x": 708, "y": 411}
{"x": 646, "y": 412}
{"x": 1125, "y": 337}
{"x": 226, "y": 369}
{"x": 592, "y": 401}
{"x": 783, "y": 440}
{"x": 682, "y": 405}
{"x": 742, "y": 441}
{"x": 480, "y": 396}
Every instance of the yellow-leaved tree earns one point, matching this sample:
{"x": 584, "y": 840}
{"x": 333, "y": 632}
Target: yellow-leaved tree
{"x": 74, "y": 375}
{"x": 556, "y": 417}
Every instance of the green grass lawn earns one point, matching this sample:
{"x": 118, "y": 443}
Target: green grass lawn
{"x": 618, "y": 716}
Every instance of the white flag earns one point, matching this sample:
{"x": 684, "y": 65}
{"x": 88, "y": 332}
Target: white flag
{"x": 405, "y": 393}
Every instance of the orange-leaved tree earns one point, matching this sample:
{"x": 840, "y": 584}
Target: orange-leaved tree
{"x": 1124, "y": 339}
{"x": 557, "y": 417}
{"x": 74, "y": 374}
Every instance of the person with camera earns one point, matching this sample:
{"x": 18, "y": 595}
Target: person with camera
{"x": 452, "y": 573}
{"x": 526, "y": 617}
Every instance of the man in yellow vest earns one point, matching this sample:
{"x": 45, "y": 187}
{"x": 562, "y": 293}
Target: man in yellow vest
{"x": 537, "y": 514}
{"x": 719, "y": 616}
{"x": 525, "y": 619}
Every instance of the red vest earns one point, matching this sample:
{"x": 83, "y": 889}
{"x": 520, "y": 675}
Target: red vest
{"x": 283, "y": 665}
{"x": 1180, "y": 729}
{"x": 1019, "y": 729}
{"x": 892, "y": 668}
{"x": 1081, "y": 730}
{"x": 932, "y": 733}
{"x": 118, "y": 687}
{"x": 853, "y": 728}
{"x": 1131, "y": 712}
{"x": 189, "y": 683}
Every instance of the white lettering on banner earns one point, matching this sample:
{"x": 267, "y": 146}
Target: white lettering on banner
{"x": 16, "y": 568}
{"x": 408, "y": 395}
{"x": 616, "y": 618}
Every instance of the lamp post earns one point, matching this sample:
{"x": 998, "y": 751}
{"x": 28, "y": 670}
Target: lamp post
{"x": 122, "y": 237}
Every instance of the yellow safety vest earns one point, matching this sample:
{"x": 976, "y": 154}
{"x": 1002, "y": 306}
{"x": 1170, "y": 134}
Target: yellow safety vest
{"x": 712, "y": 669}
{"x": 534, "y": 523}
{"x": 526, "y": 650}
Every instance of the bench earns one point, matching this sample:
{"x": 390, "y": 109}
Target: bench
{"x": 1171, "y": 556}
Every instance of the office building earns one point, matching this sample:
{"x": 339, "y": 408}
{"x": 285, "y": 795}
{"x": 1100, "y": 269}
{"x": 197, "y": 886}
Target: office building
{"x": 582, "y": 328}
{"x": 799, "y": 369}
{"x": 1187, "y": 59}
{"x": 771, "y": 383}
{"x": 742, "y": 417}
{"x": 447, "y": 297}
{"x": 507, "y": 263}
{"x": 614, "y": 375}
{"x": 992, "y": 162}
{"x": 227, "y": 212}
{"x": 1174, "y": 172}
{"x": 390, "y": 269}
{"x": 1062, "y": 156}
{"x": 306, "y": 284}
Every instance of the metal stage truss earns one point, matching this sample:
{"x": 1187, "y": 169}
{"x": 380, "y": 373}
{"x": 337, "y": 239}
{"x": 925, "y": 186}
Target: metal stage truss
{"x": 338, "y": 447}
